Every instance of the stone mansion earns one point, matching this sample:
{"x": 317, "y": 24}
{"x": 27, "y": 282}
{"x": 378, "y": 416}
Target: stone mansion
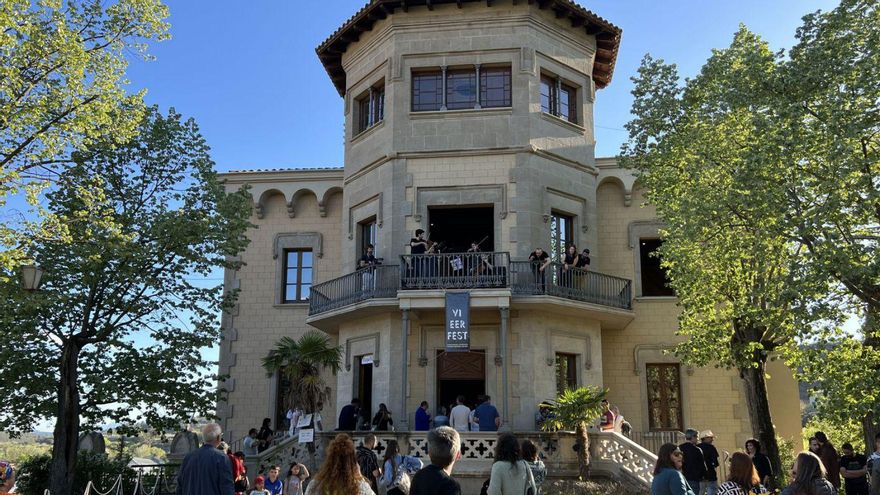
{"x": 473, "y": 121}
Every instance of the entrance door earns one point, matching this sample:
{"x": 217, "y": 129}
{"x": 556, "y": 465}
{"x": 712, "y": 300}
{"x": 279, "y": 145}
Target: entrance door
{"x": 457, "y": 227}
{"x": 363, "y": 382}
{"x": 460, "y": 373}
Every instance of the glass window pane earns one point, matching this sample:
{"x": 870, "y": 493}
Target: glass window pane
{"x": 547, "y": 90}
{"x": 363, "y": 109}
{"x": 292, "y": 259}
{"x": 461, "y": 89}
{"x": 568, "y": 104}
{"x": 290, "y": 293}
{"x": 563, "y": 104}
{"x": 291, "y": 275}
{"x": 307, "y": 259}
{"x": 427, "y": 91}
{"x": 495, "y": 87}
{"x": 306, "y": 275}
{"x": 304, "y": 292}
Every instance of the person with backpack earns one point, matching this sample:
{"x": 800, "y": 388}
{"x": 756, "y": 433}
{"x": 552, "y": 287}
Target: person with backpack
{"x": 398, "y": 470}
{"x": 510, "y": 474}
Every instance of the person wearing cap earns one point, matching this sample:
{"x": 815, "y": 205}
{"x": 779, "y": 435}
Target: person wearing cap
{"x": 259, "y": 486}
{"x": 709, "y": 485}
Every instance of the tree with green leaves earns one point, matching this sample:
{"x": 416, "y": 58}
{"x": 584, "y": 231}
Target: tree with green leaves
{"x": 702, "y": 151}
{"x": 813, "y": 179}
{"x": 575, "y": 409}
{"x": 62, "y": 89}
{"x": 116, "y": 332}
{"x": 301, "y": 362}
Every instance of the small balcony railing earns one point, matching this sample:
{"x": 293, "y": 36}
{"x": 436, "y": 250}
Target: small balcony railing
{"x": 574, "y": 283}
{"x": 454, "y": 271}
{"x": 470, "y": 271}
{"x": 366, "y": 283}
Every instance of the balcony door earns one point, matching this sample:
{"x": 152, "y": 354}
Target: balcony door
{"x": 456, "y": 227}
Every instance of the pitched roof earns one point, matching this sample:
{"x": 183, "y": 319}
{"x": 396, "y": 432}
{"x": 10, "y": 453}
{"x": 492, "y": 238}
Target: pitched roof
{"x": 607, "y": 34}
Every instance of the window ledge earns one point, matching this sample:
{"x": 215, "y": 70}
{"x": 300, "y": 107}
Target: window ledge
{"x": 292, "y": 305}
{"x": 656, "y": 298}
{"x": 564, "y": 123}
{"x": 367, "y": 131}
{"x": 482, "y": 112}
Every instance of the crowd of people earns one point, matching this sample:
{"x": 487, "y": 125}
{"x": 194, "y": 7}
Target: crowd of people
{"x": 691, "y": 469}
{"x": 483, "y": 417}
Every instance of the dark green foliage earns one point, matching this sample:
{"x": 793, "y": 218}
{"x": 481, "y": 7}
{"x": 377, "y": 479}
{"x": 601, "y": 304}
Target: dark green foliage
{"x": 100, "y": 469}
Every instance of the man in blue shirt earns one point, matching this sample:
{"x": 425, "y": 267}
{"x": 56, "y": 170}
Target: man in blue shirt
{"x": 423, "y": 419}
{"x": 487, "y": 416}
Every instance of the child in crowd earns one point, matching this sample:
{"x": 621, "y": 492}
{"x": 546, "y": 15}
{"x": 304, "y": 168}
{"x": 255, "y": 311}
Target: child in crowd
{"x": 259, "y": 486}
{"x": 274, "y": 485}
{"x": 295, "y": 477}
{"x": 536, "y": 465}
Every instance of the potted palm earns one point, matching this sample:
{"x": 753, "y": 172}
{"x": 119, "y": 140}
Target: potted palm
{"x": 575, "y": 409}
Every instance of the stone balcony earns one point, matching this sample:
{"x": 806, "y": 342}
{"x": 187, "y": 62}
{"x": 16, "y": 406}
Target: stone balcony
{"x": 494, "y": 281}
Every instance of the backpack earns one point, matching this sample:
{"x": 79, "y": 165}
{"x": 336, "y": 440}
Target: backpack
{"x": 405, "y": 470}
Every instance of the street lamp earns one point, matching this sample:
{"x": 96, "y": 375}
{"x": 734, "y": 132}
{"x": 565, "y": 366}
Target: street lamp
{"x": 30, "y": 277}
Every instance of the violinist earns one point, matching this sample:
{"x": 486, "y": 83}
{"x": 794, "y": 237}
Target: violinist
{"x": 418, "y": 245}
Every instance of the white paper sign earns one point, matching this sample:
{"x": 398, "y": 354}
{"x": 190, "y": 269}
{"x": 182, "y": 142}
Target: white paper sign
{"x": 307, "y": 435}
{"x": 304, "y": 420}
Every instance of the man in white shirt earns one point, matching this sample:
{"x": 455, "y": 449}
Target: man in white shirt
{"x": 250, "y": 442}
{"x": 459, "y": 417}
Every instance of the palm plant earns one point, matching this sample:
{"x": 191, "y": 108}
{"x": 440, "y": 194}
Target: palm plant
{"x": 301, "y": 362}
{"x": 574, "y": 409}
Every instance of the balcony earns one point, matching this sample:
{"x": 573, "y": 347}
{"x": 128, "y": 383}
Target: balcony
{"x": 381, "y": 286}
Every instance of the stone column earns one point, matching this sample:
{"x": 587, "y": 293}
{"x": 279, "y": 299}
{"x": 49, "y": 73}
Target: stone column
{"x": 443, "y": 85}
{"x": 479, "y": 87}
{"x": 403, "y": 415}
{"x": 505, "y": 363}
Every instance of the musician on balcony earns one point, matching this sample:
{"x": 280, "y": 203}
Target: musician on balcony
{"x": 418, "y": 245}
{"x": 368, "y": 264}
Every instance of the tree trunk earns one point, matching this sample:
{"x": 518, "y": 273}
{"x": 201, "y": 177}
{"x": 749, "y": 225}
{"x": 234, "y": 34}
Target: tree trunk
{"x": 759, "y": 415}
{"x": 66, "y": 436}
{"x": 871, "y": 335}
{"x": 583, "y": 453}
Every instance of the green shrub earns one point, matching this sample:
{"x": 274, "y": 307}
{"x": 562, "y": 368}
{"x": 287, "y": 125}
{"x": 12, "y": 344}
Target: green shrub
{"x": 592, "y": 487}
{"x": 33, "y": 474}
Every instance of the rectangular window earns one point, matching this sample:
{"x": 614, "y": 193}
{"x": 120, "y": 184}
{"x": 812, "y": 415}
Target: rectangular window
{"x": 427, "y": 91}
{"x": 664, "y": 397}
{"x": 548, "y": 95}
{"x": 558, "y": 98}
{"x": 461, "y": 89}
{"x": 561, "y": 234}
{"x": 370, "y": 108}
{"x": 297, "y": 275}
{"x": 566, "y": 372}
{"x": 495, "y": 87}
{"x": 654, "y": 280}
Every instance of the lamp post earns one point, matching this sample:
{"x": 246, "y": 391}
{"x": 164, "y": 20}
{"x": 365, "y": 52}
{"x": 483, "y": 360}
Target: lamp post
{"x": 31, "y": 276}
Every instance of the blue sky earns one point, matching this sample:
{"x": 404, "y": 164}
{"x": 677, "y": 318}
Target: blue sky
{"x": 248, "y": 73}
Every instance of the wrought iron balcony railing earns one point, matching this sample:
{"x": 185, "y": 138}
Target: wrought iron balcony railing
{"x": 574, "y": 283}
{"x": 366, "y": 283}
{"x": 454, "y": 271}
{"x": 470, "y": 271}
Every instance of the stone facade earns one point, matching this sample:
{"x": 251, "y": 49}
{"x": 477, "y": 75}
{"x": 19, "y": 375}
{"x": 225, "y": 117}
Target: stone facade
{"x": 526, "y": 165}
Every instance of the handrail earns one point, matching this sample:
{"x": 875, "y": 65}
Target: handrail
{"x": 366, "y": 283}
{"x": 570, "y": 283}
{"x": 454, "y": 270}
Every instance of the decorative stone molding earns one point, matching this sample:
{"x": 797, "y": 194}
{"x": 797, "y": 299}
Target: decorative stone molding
{"x": 298, "y": 240}
{"x": 658, "y": 353}
{"x": 259, "y": 211}
{"x": 461, "y": 195}
{"x": 376, "y": 340}
{"x": 586, "y": 356}
{"x": 366, "y": 208}
{"x": 555, "y": 199}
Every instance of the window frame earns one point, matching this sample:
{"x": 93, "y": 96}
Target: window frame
{"x": 643, "y": 273}
{"x": 559, "y": 245}
{"x": 557, "y": 87}
{"x": 438, "y": 92}
{"x": 479, "y": 76}
{"x": 369, "y": 108}
{"x": 572, "y": 372}
{"x": 506, "y": 88}
{"x": 368, "y": 232}
{"x": 464, "y": 74}
{"x": 664, "y": 397}
{"x": 299, "y": 272}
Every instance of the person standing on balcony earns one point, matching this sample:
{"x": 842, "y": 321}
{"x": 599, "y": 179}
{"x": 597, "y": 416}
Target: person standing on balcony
{"x": 583, "y": 264}
{"x": 349, "y": 415}
{"x": 423, "y": 419}
{"x": 265, "y": 435}
{"x": 460, "y": 415}
{"x": 418, "y": 245}
{"x": 540, "y": 261}
{"x": 569, "y": 263}
{"x": 368, "y": 263}
{"x": 668, "y": 479}
{"x": 709, "y": 486}
{"x": 487, "y": 417}
{"x": 606, "y": 421}
{"x": 694, "y": 464}
{"x": 382, "y": 420}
